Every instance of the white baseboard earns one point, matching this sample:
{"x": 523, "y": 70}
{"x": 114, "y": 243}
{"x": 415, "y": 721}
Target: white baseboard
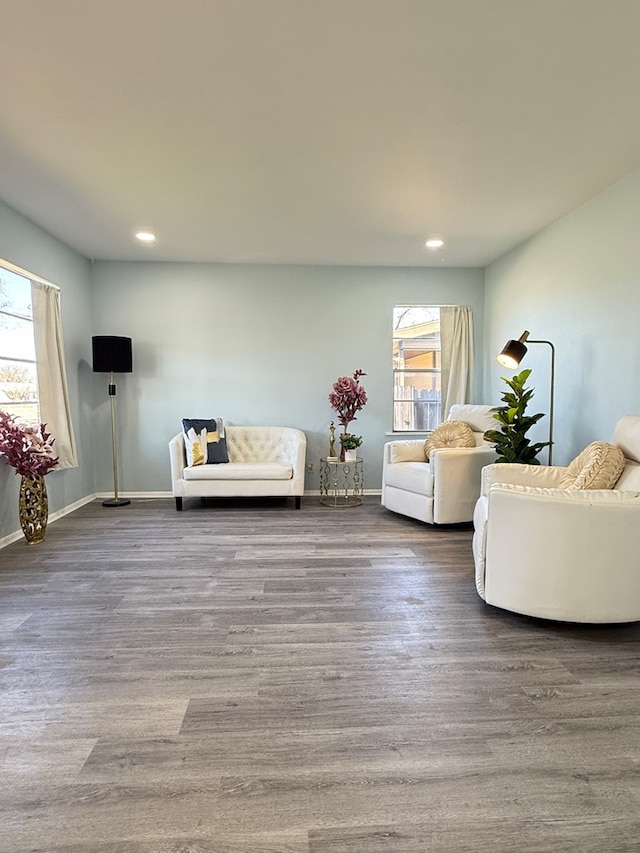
{"x": 153, "y": 495}
{"x": 67, "y": 509}
{"x": 134, "y": 495}
{"x": 54, "y": 516}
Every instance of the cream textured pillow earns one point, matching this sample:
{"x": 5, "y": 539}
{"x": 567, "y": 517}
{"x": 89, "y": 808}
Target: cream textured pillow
{"x": 406, "y": 451}
{"x": 598, "y": 467}
{"x": 450, "y": 434}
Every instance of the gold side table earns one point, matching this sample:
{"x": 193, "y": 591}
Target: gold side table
{"x": 341, "y": 483}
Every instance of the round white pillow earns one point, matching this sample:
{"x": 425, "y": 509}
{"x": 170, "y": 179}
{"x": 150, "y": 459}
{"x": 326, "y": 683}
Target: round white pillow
{"x": 598, "y": 467}
{"x": 450, "y": 434}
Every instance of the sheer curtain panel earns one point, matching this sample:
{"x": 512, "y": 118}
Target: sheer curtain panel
{"x": 52, "y": 378}
{"x": 456, "y": 346}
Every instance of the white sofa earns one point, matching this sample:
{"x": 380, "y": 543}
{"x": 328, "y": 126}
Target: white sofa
{"x": 264, "y": 461}
{"x": 558, "y": 553}
{"x": 445, "y": 489}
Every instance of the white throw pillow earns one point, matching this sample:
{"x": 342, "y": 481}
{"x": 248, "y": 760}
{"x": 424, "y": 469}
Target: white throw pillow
{"x": 406, "y": 451}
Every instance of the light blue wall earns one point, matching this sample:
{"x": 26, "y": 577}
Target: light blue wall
{"x": 27, "y": 246}
{"x": 254, "y": 345}
{"x": 578, "y": 284}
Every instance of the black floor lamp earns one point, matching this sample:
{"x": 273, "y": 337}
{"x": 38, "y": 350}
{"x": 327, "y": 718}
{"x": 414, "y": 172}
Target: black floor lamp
{"x": 112, "y": 354}
{"x": 512, "y": 355}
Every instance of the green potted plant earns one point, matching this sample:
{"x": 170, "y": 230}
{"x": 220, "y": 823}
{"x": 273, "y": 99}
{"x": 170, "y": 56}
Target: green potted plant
{"x": 510, "y": 440}
{"x": 349, "y": 444}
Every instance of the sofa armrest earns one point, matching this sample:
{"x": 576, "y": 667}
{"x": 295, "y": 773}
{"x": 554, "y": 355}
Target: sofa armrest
{"x": 544, "y": 476}
{"x": 177, "y": 457}
{"x": 457, "y": 476}
{"x": 605, "y": 498}
{"x": 295, "y": 454}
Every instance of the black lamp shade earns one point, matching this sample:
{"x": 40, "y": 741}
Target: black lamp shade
{"x": 512, "y": 354}
{"x": 112, "y": 354}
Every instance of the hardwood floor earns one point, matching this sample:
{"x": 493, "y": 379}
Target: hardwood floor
{"x": 246, "y": 678}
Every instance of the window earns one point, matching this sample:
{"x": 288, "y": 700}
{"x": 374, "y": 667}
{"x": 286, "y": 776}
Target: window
{"x": 18, "y": 379}
{"x": 33, "y": 381}
{"x": 416, "y": 368}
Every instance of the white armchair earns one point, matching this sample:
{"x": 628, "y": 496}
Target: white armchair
{"x": 443, "y": 490}
{"x": 566, "y": 554}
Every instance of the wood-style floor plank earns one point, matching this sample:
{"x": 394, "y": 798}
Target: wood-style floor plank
{"x": 245, "y": 678}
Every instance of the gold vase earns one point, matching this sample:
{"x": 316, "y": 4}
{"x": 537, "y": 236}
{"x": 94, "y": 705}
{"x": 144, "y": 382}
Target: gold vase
{"x": 33, "y": 508}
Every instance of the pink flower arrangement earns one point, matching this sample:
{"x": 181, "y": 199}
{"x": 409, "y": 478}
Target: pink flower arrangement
{"x": 347, "y": 397}
{"x": 28, "y": 449}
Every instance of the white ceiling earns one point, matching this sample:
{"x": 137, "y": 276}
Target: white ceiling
{"x": 313, "y": 131}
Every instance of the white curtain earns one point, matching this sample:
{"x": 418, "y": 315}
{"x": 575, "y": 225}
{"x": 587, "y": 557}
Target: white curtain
{"x": 456, "y": 347}
{"x": 52, "y": 379}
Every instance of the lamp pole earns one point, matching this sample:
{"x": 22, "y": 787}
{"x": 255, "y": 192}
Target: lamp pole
{"x": 116, "y": 500}
{"x": 551, "y": 391}
{"x": 112, "y": 354}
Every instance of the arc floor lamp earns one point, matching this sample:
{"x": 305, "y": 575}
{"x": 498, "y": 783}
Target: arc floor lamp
{"x": 112, "y": 354}
{"x": 512, "y": 355}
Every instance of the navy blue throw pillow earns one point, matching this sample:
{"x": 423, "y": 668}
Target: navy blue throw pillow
{"x": 205, "y": 441}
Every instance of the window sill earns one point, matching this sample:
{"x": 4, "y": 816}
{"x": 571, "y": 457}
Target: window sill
{"x": 409, "y": 433}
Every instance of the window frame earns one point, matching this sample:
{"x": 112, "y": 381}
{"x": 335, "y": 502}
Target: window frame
{"x": 426, "y": 408}
{"x": 26, "y": 410}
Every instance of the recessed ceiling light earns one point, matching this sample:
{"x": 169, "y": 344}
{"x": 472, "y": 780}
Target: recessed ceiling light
{"x": 146, "y": 236}
{"x": 434, "y": 243}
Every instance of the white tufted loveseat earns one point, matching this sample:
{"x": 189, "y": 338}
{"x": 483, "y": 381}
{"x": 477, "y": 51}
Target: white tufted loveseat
{"x": 264, "y": 461}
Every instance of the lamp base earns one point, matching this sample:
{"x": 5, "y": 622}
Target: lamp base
{"x": 116, "y": 502}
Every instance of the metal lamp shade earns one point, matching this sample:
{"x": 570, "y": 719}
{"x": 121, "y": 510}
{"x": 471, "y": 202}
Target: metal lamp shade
{"x": 512, "y": 354}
